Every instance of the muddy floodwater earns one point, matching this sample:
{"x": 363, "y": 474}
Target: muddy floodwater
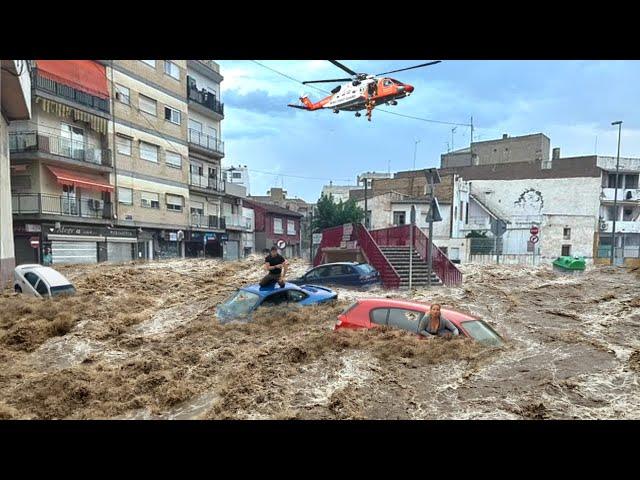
{"x": 140, "y": 341}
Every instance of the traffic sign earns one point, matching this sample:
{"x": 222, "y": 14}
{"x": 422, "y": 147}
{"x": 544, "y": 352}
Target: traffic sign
{"x": 498, "y": 227}
{"x": 534, "y": 239}
{"x": 534, "y": 230}
{"x": 281, "y": 244}
{"x": 317, "y": 238}
{"x": 35, "y": 242}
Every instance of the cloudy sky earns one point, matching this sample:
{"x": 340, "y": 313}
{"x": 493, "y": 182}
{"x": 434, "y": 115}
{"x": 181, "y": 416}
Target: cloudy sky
{"x": 572, "y": 102}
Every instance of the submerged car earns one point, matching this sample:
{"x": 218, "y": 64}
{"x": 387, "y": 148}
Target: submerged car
{"x": 376, "y": 312}
{"x": 39, "y": 281}
{"x": 348, "y": 274}
{"x": 242, "y": 303}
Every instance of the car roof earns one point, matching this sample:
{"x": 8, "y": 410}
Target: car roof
{"x": 337, "y": 263}
{"x": 453, "y": 315}
{"x": 51, "y": 276}
{"x": 266, "y": 291}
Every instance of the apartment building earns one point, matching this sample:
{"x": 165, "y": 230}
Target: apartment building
{"x": 207, "y": 234}
{"x": 15, "y": 103}
{"x": 62, "y": 169}
{"x": 238, "y": 176}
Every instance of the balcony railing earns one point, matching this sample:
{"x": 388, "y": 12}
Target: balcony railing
{"x": 624, "y": 194}
{"x": 206, "y": 141}
{"x": 70, "y": 93}
{"x": 20, "y": 142}
{"x": 204, "y": 98}
{"x": 209, "y": 183}
{"x": 43, "y": 204}
{"x": 207, "y": 221}
{"x": 238, "y": 221}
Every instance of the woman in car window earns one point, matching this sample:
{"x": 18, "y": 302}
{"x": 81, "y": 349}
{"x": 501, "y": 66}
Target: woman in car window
{"x": 435, "y": 324}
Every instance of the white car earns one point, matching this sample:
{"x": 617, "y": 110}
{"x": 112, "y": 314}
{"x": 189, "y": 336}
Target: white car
{"x": 39, "y": 281}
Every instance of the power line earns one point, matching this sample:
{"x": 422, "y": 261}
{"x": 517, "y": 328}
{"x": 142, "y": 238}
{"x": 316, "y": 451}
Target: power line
{"x": 298, "y": 176}
{"x": 386, "y": 111}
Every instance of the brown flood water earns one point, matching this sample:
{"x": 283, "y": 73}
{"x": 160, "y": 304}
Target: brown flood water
{"x": 140, "y": 341}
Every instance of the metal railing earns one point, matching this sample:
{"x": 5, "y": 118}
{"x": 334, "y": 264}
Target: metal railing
{"x": 238, "y": 221}
{"x": 210, "y": 183}
{"x": 43, "y": 204}
{"x": 207, "y": 221}
{"x": 206, "y": 141}
{"x": 204, "y": 98}
{"x": 70, "y": 93}
{"x": 35, "y": 141}
{"x": 447, "y": 272}
{"x": 388, "y": 274}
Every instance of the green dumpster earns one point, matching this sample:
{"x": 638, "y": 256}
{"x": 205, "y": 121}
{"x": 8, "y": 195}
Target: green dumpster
{"x": 575, "y": 264}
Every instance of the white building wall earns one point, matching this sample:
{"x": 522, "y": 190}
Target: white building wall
{"x": 339, "y": 192}
{"x": 581, "y": 236}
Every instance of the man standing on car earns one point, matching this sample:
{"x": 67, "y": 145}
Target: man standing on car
{"x": 276, "y": 265}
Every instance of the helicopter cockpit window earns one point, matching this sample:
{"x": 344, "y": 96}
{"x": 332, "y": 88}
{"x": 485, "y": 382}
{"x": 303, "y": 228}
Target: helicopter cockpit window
{"x": 395, "y": 81}
{"x": 387, "y": 82}
{"x": 337, "y": 89}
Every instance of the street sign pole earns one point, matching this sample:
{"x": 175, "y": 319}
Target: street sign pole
{"x": 413, "y": 222}
{"x": 429, "y": 243}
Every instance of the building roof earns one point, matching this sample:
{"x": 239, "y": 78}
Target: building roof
{"x": 271, "y": 208}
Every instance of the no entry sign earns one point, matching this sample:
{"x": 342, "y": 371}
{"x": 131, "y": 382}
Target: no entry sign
{"x": 534, "y": 230}
{"x": 35, "y": 242}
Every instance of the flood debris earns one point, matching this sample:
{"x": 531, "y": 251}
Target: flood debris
{"x": 139, "y": 340}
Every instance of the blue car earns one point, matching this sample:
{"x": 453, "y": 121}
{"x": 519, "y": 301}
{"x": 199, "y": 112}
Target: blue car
{"x": 348, "y": 274}
{"x": 242, "y": 303}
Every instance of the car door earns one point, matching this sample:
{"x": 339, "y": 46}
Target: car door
{"x": 405, "y": 319}
{"x": 277, "y": 298}
{"x": 349, "y": 276}
{"x": 42, "y": 288}
{"x": 32, "y": 280}
{"x": 321, "y": 275}
{"x": 296, "y": 296}
{"x": 312, "y": 275}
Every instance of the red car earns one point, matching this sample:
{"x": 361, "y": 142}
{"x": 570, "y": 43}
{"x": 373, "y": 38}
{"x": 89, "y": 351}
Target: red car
{"x": 374, "y": 312}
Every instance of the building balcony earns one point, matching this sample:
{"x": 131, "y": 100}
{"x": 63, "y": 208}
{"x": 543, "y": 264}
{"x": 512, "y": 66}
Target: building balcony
{"x": 40, "y": 204}
{"x": 23, "y": 145}
{"x": 204, "y": 98}
{"x": 238, "y": 222}
{"x": 69, "y": 93}
{"x": 207, "y": 221}
{"x": 622, "y": 226}
{"x": 624, "y": 194}
{"x": 209, "y": 184}
{"x": 206, "y": 143}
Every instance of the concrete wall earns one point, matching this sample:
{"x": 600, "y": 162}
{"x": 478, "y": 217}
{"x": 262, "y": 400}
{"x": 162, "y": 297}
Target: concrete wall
{"x": 7, "y": 260}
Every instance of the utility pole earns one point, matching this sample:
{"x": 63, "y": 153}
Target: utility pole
{"x": 413, "y": 222}
{"x": 615, "y": 195}
{"x": 415, "y": 151}
{"x": 311, "y": 236}
{"x": 429, "y": 253}
{"x": 365, "y": 205}
{"x": 452, "y": 132}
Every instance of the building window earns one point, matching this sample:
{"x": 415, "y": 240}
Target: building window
{"x": 277, "y": 225}
{"x": 399, "y": 218}
{"x": 197, "y": 208}
{"x": 172, "y": 115}
{"x": 149, "y": 200}
{"x": 171, "y": 69}
{"x": 631, "y": 181}
{"x": 566, "y": 250}
{"x": 174, "y": 159}
{"x": 291, "y": 227}
{"x": 461, "y": 211}
{"x": 236, "y": 175}
{"x": 123, "y": 145}
{"x": 149, "y": 152}
{"x": 174, "y": 203}
{"x": 148, "y": 105}
{"x": 125, "y": 195}
{"x": 367, "y": 220}
{"x": 151, "y": 63}
{"x": 566, "y": 233}
{"x": 123, "y": 94}
{"x": 612, "y": 180}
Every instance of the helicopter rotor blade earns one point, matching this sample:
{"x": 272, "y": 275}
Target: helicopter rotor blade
{"x": 328, "y": 81}
{"x": 346, "y": 69}
{"x": 409, "y": 68}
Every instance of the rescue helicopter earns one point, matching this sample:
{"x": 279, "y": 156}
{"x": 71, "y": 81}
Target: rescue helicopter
{"x": 362, "y": 92}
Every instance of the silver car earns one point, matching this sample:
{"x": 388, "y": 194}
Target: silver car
{"x": 39, "y": 281}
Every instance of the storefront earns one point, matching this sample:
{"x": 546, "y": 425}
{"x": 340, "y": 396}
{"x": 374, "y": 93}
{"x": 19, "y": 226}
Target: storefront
{"x": 204, "y": 244}
{"x": 168, "y": 244}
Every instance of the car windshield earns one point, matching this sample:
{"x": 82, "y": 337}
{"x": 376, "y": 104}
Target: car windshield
{"x": 482, "y": 332}
{"x": 366, "y": 268}
{"x": 240, "y": 303}
{"x": 63, "y": 290}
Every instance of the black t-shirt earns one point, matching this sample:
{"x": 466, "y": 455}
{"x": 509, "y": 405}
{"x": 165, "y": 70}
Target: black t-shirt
{"x": 277, "y": 260}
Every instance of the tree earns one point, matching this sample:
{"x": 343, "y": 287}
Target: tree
{"x": 331, "y": 214}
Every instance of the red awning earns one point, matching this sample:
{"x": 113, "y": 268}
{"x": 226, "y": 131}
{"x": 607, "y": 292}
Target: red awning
{"x": 85, "y": 75}
{"x": 85, "y": 180}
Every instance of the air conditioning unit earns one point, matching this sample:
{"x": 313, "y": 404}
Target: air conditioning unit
{"x": 95, "y": 204}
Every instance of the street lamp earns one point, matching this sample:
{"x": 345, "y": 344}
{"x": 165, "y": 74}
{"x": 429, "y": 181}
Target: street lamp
{"x": 615, "y": 194}
{"x": 433, "y": 178}
{"x": 415, "y": 151}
